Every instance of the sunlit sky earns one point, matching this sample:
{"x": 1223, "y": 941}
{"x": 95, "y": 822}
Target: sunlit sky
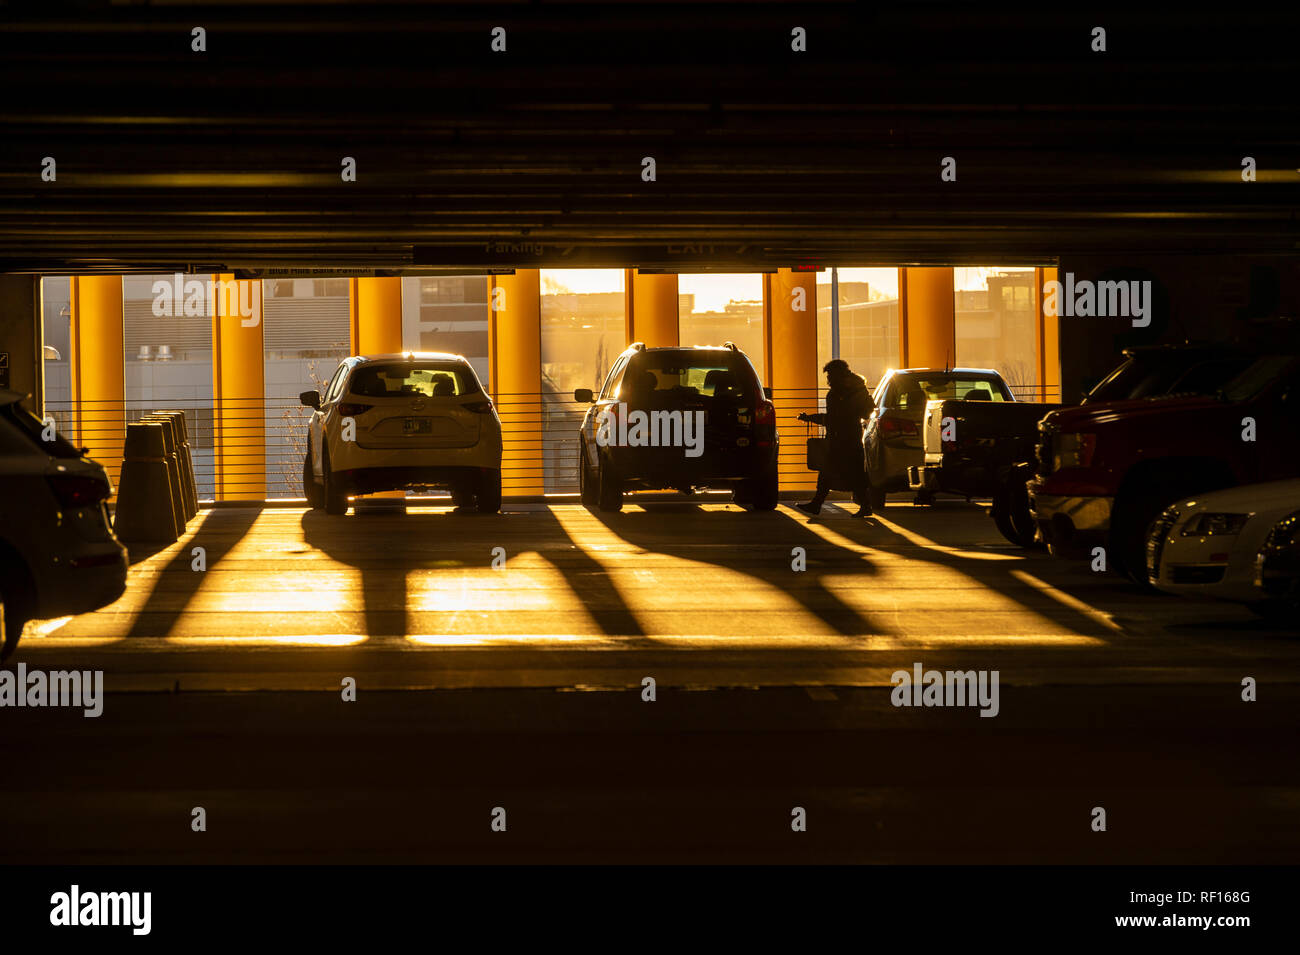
{"x": 714, "y": 290}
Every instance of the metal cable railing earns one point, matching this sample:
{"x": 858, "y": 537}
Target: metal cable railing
{"x": 253, "y": 449}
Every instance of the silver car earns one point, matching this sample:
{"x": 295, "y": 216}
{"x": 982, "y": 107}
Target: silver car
{"x": 894, "y": 439}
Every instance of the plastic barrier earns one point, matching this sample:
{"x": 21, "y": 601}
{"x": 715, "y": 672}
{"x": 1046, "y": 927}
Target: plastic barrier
{"x": 185, "y": 459}
{"x": 145, "y": 504}
{"x": 176, "y": 486}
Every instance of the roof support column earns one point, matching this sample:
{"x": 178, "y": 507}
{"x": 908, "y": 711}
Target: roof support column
{"x": 98, "y": 370}
{"x": 515, "y": 359}
{"x": 238, "y": 390}
{"x": 375, "y": 311}
{"x": 927, "y": 324}
{"x": 790, "y": 354}
{"x": 650, "y": 308}
{"x": 1048, "y": 341}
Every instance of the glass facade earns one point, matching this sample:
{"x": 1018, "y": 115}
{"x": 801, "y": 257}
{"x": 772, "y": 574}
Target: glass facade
{"x": 868, "y": 320}
{"x": 305, "y": 334}
{"x": 996, "y": 324}
{"x": 723, "y": 307}
{"x": 168, "y": 354}
{"x": 583, "y": 331}
{"x": 448, "y": 313}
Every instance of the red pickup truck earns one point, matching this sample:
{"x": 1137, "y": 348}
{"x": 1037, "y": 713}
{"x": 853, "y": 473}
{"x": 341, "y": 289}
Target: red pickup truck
{"x": 1106, "y": 471}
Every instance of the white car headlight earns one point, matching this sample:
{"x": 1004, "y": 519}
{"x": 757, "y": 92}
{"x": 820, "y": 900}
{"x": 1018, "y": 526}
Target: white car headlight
{"x": 1215, "y": 524}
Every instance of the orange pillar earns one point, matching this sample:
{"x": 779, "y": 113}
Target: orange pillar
{"x": 790, "y": 353}
{"x": 515, "y": 360}
{"x": 375, "y": 309}
{"x": 650, "y": 307}
{"x": 98, "y": 370}
{"x": 1048, "y": 341}
{"x": 238, "y": 390}
{"x": 927, "y": 325}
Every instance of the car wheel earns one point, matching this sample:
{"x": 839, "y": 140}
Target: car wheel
{"x": 16, "y": 588}
{"x": 336, "y": 498}
{"x": 489, "y": 491}
{"x": 1131, "y": 520}
{"x": 314, "y": 493}
{"x": 609, "y": 487}
{"x": 586, "y": 484}
{"x": 764, "y": 490}
{"x": 1011, "y": 511}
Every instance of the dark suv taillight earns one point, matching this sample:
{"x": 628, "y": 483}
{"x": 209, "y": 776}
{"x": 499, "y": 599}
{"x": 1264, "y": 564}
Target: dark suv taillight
{"x": 351, "y": 410}
{"x": 478, "y": 407}
{"x": 76, "y": 490}
{"x": 765, "y": 418}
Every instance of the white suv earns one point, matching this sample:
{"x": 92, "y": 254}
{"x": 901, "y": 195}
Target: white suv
{"x": 404, "y": 421}
{"x": 58, "y": 554}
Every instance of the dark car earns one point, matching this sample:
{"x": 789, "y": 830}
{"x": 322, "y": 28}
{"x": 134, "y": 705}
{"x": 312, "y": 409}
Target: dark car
{"x": 682, "y": 418}
{"x": 1107, "y": 470}
{"x": 58, "y": 554}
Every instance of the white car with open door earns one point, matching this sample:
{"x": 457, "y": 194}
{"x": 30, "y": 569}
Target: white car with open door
{"x": 413, "y": 421}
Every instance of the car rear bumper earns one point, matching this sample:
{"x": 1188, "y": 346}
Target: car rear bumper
{"x": 84, "y": 579}
{"x": 371, "y": 480}
{"x": 923, "y": 477}
{"x": 1070, "y": 523}
{"x": 663, "y": 468}
{"x": 348, "y": 456}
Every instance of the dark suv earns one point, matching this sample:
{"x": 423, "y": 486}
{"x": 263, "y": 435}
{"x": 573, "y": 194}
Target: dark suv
{"x": 683, "y": 418}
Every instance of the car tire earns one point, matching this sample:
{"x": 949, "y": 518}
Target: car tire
{"x": 489, "y": 491}
{"x": 336, "y": 498}
{"x": 1131, "y": 521}
{"x": 314, "y": 493}
{"x": 1011, "y": 510}
{"x": 586, "y": 483}
{"x": 609, "y": 487}
{"x": 764, "y": 491}
{"x": 16, "y": 588}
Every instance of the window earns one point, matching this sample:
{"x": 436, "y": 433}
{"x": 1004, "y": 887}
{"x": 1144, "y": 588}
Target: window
{"x": 868, "y": 320}
{"x": 583, "y": 331}
{"x": 613, "y": 378}
{"x": 447, "y": 313}
{"x": 917, "y": 390}
{"x": 996, "y": 324}
{"x": 722, "y": 307}
{"x": 678, "y": 374}
{"x": 430, "y": 380}
{"x": 336, "y": 383}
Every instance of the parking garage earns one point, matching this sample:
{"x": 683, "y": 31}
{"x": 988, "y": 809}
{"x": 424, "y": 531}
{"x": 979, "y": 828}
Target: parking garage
{"x": 195, "y": 254}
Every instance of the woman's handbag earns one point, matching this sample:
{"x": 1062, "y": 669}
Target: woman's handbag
{"x": 817, "y": 452}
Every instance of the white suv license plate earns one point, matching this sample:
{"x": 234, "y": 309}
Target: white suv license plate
{"x": 417, "y": 426}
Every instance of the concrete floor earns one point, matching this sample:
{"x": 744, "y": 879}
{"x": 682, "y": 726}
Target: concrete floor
{"x": 692, "y": 594}
{"x": 520, "y": 687}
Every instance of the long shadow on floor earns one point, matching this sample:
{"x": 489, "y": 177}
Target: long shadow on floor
{"x": 759, "y": 544}
{"x": 387, "y": 544}
{"x": 219, "y": 530}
